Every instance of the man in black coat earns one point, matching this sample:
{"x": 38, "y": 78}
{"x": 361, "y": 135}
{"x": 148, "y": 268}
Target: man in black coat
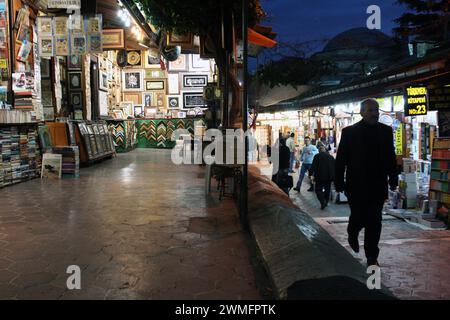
{"x": 322, "y": 170}
{"x": 366, "y": 156}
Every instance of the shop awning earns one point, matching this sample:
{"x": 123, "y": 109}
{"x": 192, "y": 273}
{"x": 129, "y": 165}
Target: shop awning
{"x": 260, "y": 40}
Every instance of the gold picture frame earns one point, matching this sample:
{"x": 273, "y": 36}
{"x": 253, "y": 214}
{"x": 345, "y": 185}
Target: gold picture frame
{"x": 184, "y": 40}
{"x": 134, "y": 97}
{"x": 113, "y": 39}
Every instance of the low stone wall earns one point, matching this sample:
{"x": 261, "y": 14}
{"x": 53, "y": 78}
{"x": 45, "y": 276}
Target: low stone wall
{"x": 296, "y": 250}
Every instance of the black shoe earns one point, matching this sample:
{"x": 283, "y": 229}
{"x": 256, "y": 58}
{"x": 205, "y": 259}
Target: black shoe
{"x": 311, "y": 189}
{"x": 297, "y": 189}
{"x": 372, "y": 262}
{"x": 354, "y": 243}
{"x": 323, "y": 206}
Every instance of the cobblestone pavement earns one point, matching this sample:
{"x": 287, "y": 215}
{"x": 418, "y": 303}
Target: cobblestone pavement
{"x": 137, "y": 226}
{"x": 415, "y": 263}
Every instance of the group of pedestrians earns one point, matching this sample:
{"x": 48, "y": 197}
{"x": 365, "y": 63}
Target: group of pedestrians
{"x": 364, "y": 168}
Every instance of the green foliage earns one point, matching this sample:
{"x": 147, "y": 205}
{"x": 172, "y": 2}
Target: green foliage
{"x": 429, "y": 21}
{"x": 194, "y": 16}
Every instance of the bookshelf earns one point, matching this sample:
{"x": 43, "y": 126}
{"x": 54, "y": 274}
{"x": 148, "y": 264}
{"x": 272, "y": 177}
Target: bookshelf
{"x": 440, "y": 171}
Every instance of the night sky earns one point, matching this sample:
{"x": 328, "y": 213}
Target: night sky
{"x": 310, "y": 20}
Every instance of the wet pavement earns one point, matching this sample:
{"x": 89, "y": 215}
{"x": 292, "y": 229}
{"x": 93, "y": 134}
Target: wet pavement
{"x": 414, "y": 262}
{"x": 138, "y": 227}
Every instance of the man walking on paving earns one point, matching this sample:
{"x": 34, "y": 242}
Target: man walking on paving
{"x": 366, "y": 155}
{"x": 290, "y": 143}
{"x": 308, "y": 153}
{"x": 322, "y": 170}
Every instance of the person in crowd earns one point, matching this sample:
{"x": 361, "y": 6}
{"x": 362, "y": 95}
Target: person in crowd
{"x": 308, "y": 153}
{"x": 322, "y": 170}
{"x": 290, "y": 143}
{"x": 366, "y": 156}
{"x": 281, "y": 176}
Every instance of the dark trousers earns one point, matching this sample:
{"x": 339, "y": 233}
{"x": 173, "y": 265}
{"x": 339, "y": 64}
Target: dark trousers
{"x": 367, "y": 215}
{"x": 323, "y": 189}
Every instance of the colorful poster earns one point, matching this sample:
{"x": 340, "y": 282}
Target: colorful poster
{"x": 62, "y": 45}
{"x": 46, "y": 46}
{"x": 78, "y": 44}
{"x": 95, "y": 43}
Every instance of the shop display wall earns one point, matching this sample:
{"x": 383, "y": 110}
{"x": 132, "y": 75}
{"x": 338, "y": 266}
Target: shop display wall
{"x": 440, "y": 169}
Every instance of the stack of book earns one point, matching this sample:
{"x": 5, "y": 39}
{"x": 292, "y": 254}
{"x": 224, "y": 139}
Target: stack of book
{"x": 70, "y": 160}
{"x": 17, "y": 116}
{"x": 19, "y": 155}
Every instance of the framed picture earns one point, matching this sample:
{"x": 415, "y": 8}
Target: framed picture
{"x": 132, "y": 80}
{"x": 79, "y": 46}
{"x": 76, "y": 23}
{"x": 134, "y": 58}
{"x": 138, "y": 111}
{"x": 134, "y": 97}
{"x": 61, "y": 26}
{"x": 74, "y": 62}
{"x": 148, "y": 99}
{"x": 127, "y": 105}
{"x": 152, "y": 59}
{"x": 195, "y": 80}
{"x": 173, "y": 85}
{"x": 151, "y": 74}
{"x": 193, "y": 100}
{"x": 49, "y": 113}
{"x": 51, "y": 166}
{"x": 75, "y": 80}
{"x": 178, "y": 65}
{"x": 45, "y": 26}
{"x": 46, "y": 46}
{"x": 62, "y": 45}
{"x": 113, "y": 39}
{"x": 94, "y": 24}
{"x": 103, "y": 103}
{"x": 76, "y": 100}
{"x": 199, "y": 63}
{"x": 95, "y": 43}
{"x": 155, "y": 85}
{"x": 160, "y": 100}
{"x": 117, "y": 114}
{"x": 103, "y": 79}
{"x": 150, "y": 112}
{"x": 185, "y": 40}
{"x": 173, "y": 102}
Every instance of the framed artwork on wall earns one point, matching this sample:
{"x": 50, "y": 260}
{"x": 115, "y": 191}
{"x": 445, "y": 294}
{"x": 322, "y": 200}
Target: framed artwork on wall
{"x": 178, "y": 65}
{"x": 183, "y": 40}
{"x": 193, "y": 100}
{"x": 155, "y": 85}
{"x": 173, "y": 102}
{"x": 132, "y": 80}
{"x": 195, "y": 80}
{"x": 113, "y": 39}
{"x": 134, "y": 58}
{"x": 74, "y": 62}
{"x": 75, "y": 81}
{"x": 138, "y": 111}
{"x": 134, "y": 97}
{"x": 152, "y": 59}
{"x": 76, "y": 100}
{"x": 103, "y": 79}
{"x": 151, "y": 74}
{"x": 173, "y": 85}
{"x": 199, "y": 63}
{"x": 148, "y": 99}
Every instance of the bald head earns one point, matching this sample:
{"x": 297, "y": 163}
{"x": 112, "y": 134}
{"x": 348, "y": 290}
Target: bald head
{"x": 370, "y": 111}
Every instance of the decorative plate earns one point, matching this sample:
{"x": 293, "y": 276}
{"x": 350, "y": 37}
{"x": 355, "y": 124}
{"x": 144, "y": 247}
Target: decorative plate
{"x": 134, "y": 58}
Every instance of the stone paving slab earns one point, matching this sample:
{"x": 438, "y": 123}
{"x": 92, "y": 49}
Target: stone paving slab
{"x": 138, "y": 226}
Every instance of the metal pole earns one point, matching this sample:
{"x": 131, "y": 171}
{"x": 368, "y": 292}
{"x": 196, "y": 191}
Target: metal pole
{"x": 244, "y": 215}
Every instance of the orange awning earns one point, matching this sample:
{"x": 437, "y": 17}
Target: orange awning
{"x": 260, "y": 40}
